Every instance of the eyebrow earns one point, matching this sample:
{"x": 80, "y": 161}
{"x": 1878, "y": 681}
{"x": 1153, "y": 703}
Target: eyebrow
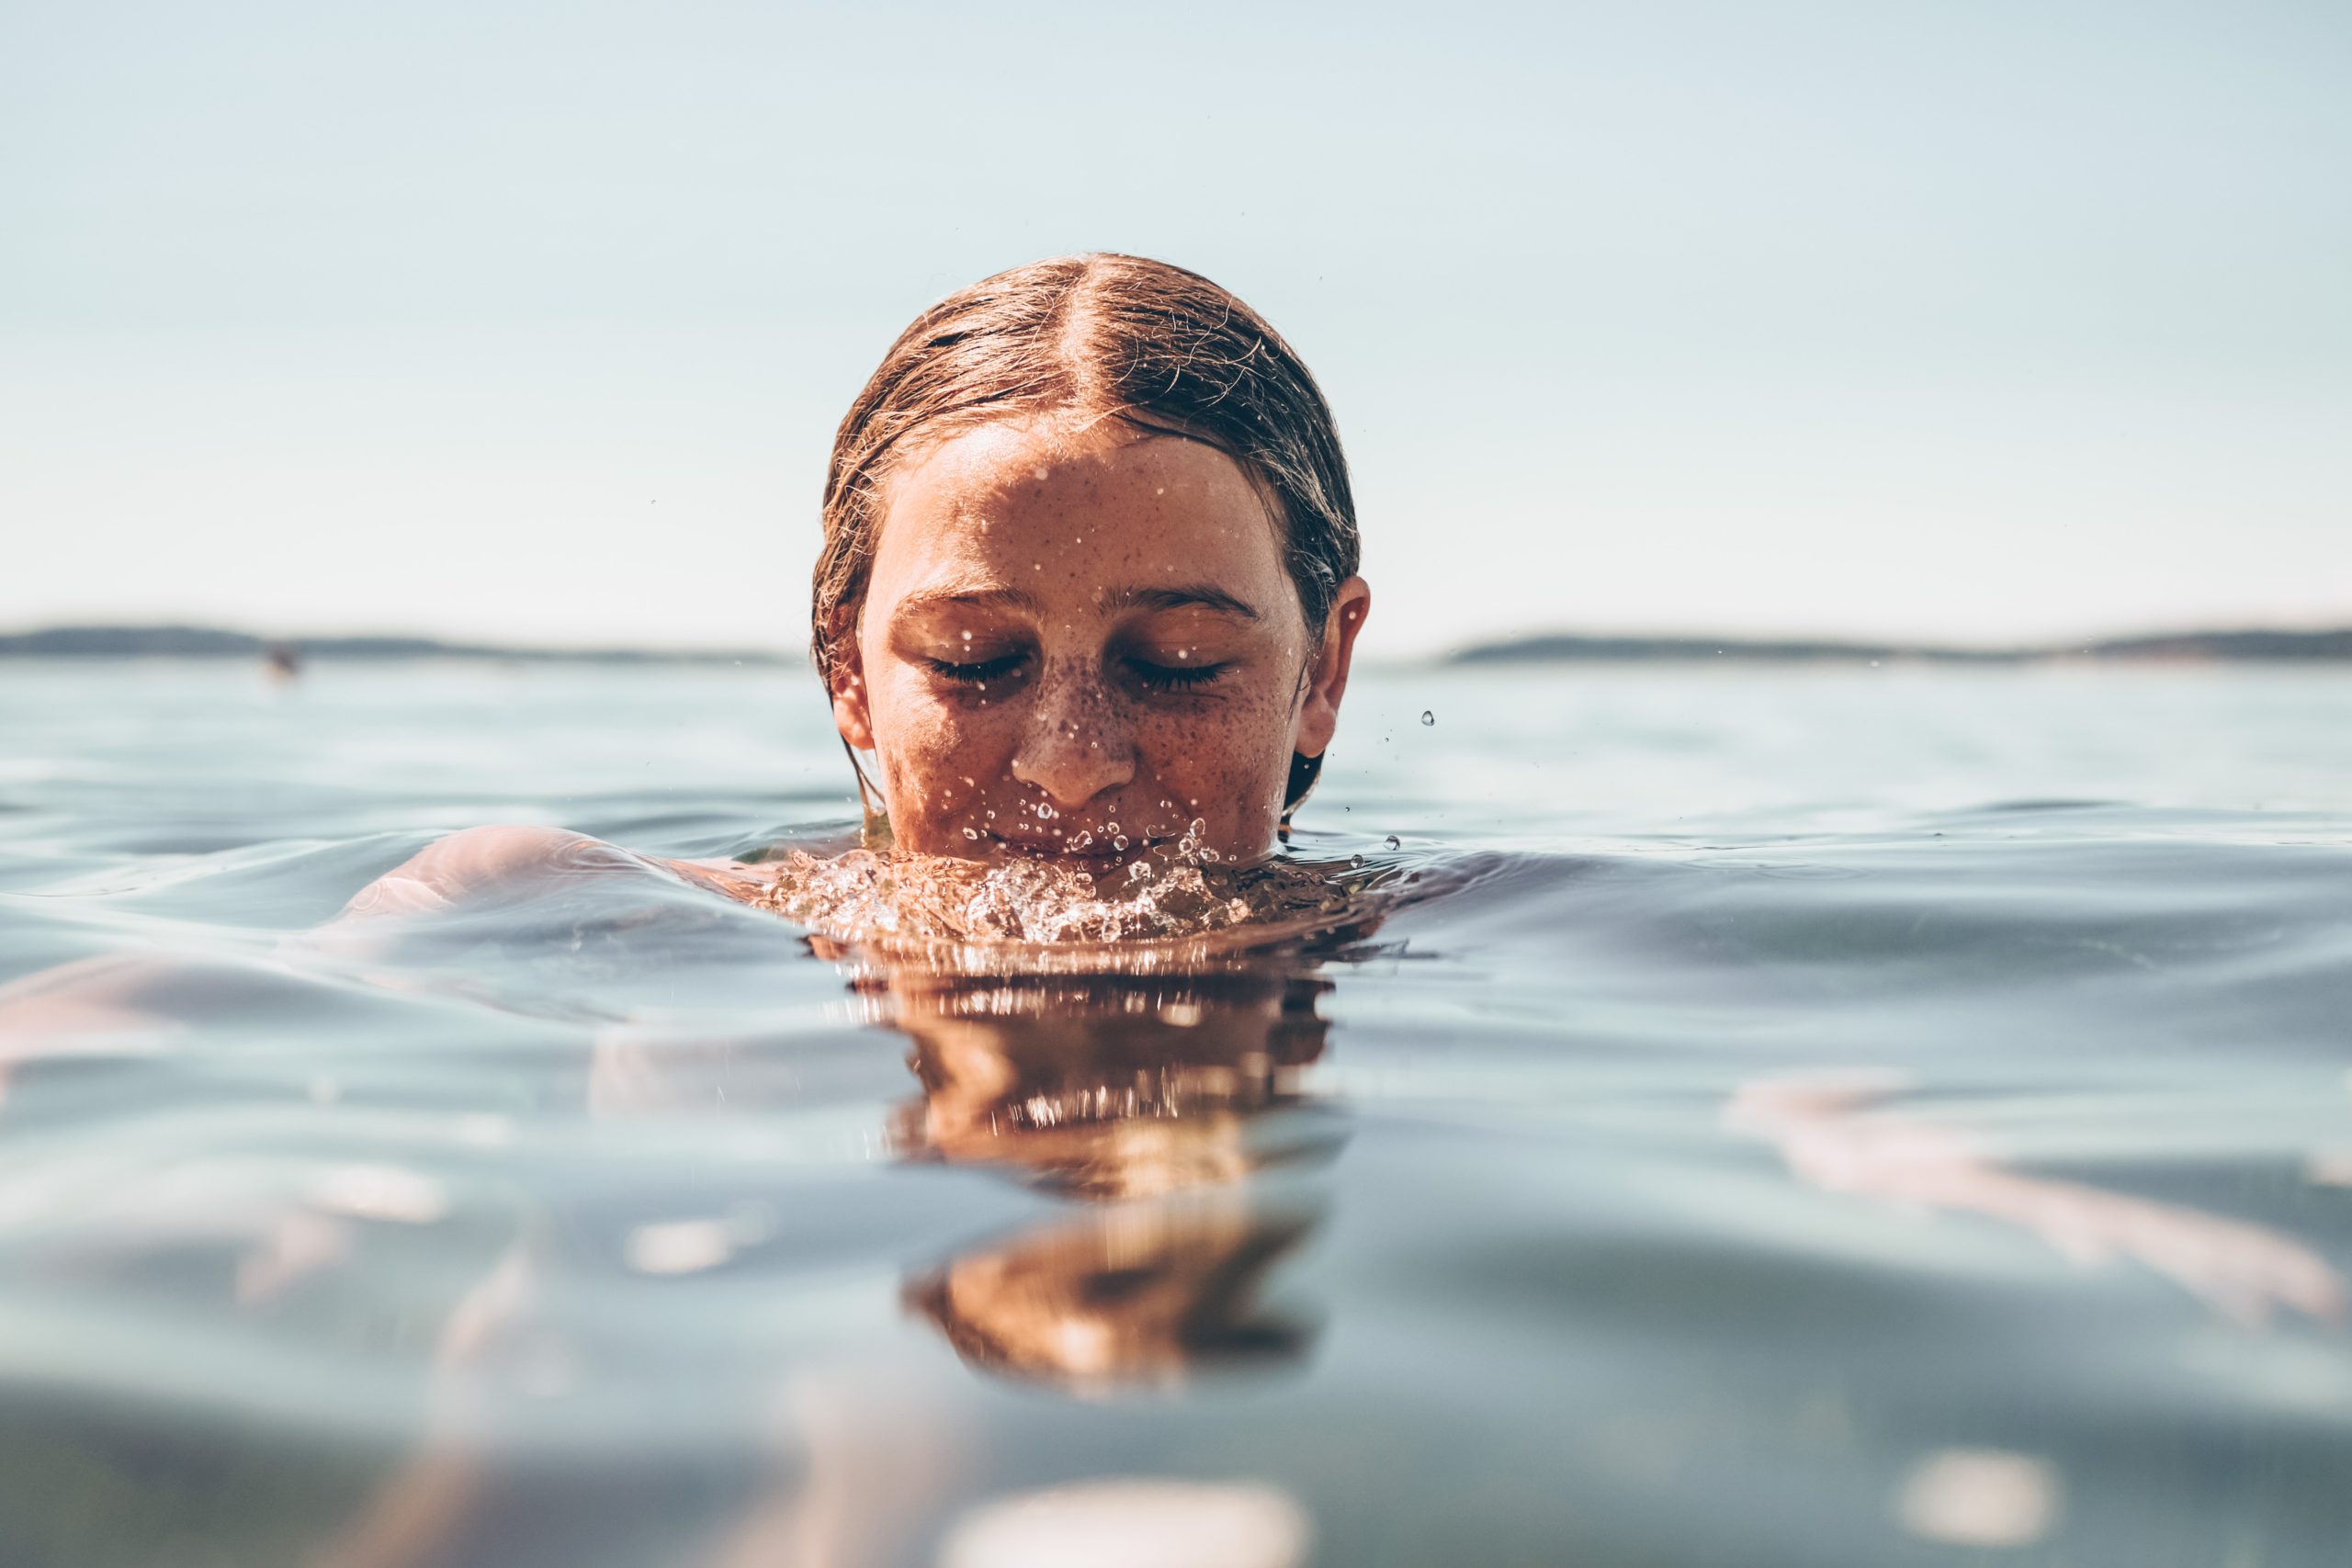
{"x": 1191, "y": 595}
{"x": 1184, "y": 596}
{"x": 975, "y": 597}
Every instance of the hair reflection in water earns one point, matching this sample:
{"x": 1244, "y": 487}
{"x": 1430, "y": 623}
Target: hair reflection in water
{"x": 1170, "y": 1107}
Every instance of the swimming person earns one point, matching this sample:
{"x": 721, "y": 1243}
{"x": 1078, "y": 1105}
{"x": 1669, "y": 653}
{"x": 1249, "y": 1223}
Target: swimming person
{"x": 1087, "y": 599}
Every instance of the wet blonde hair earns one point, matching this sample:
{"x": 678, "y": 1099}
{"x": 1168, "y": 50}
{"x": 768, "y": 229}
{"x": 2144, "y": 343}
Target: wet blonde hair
{"x": 1106, "y": 337}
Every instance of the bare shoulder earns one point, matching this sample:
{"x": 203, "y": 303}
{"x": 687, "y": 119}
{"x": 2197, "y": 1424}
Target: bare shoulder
{"x": 513, "y": 860}
{"x": 477, "y": 861}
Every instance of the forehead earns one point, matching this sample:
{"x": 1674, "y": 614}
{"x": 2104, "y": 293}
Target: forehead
{"x": 1106, "y": 504}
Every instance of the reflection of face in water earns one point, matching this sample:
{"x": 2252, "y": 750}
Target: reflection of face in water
{"x": 1109, "y": 1087}
{"x": 1122, "y": 1297}
{"x": 1159, "y": 1094}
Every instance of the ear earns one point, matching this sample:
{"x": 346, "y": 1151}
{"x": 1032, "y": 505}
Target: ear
{"x": 1327, "y": 672}
{"x": 851, "y": 714}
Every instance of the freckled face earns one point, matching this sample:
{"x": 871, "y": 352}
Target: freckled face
{"x": 1068, "y": 631}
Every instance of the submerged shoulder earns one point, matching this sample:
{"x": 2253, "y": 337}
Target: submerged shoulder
{"x": 479, "y": 860}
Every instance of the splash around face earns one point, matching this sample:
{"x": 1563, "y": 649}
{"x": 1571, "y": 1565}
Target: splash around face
{"x": 1080, "y": 642}
{"x": 1009, "y": 916}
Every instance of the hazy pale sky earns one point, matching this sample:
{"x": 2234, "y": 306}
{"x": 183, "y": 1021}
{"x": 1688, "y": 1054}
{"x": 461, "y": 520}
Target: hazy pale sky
{"x": 1972, "y": 320}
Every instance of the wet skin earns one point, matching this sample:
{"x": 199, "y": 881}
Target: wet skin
{"x": 1075, "y": 633}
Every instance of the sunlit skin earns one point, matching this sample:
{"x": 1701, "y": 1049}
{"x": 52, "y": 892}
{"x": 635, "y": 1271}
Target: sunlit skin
{"x": 1076, "y": 632}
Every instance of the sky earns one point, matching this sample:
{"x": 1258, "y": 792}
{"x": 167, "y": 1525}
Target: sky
{"x": 531, "y": 323}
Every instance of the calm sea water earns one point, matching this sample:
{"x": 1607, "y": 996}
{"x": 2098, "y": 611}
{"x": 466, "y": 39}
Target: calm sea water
{"x": 1806, "y": 1118}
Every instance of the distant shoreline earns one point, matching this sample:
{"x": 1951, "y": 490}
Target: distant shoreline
{"x": 103, "y": 643}
{"x": 2201, "y": 647}
{"x": 211, "y": 643}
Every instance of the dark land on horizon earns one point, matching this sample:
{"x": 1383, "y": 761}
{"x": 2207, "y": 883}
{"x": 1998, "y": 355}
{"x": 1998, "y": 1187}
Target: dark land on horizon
{"x": 211, "y": 642}
{"x": 2299, "y": 646}
{"x": 207, "y": 642}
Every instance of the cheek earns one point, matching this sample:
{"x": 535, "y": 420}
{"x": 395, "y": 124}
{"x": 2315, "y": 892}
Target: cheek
{"x": 1222, "y": 754}
{"x": 928, "y": 746}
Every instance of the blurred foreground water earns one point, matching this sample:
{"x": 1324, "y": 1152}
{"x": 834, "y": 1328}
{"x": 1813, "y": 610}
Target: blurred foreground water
{"x": 1805, "y": 1117}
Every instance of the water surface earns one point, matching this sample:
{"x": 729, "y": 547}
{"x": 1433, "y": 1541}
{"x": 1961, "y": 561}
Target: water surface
{"x": 1806, "y": 1118}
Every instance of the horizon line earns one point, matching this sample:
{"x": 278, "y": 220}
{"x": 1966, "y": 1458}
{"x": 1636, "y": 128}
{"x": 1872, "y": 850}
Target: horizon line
{"x": 177, "y": 639}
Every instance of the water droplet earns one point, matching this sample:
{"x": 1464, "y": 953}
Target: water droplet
{"x": 1394, "y": 842}
{"x": 1355, "y": 859}
{"x": 1427, "y": 718}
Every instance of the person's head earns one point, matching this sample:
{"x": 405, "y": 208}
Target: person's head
{"x": 1089, "y": 567}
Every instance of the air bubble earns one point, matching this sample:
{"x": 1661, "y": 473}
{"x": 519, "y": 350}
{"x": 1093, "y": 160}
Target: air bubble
{"x": 972, "y": 833}
{"x": 1427, "y": 718}
{"x": 1394, "y": 842}
{"x": 1356, "y": 861}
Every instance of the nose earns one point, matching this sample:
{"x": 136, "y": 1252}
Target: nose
{"x": 1078, "y": 744}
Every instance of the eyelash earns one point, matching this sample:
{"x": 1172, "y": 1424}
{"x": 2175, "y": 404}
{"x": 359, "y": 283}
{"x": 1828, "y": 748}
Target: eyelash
{"x": 1153, "y": 677}
{"x": 1173, "y": 677}
{"x": 995, "y": 669}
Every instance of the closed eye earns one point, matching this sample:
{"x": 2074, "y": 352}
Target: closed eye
{"x": 995, "y": 669}
{"x": 1173, "y": 677}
